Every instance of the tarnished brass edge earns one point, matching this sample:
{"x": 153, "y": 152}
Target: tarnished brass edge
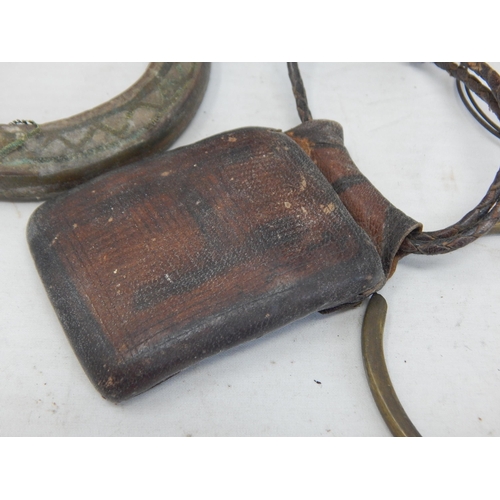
{"x": 376, "y": 370}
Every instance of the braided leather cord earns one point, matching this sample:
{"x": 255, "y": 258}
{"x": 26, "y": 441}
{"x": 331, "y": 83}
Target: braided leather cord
{"x": 475, "y": 224}
{"x": 299, "y": 92}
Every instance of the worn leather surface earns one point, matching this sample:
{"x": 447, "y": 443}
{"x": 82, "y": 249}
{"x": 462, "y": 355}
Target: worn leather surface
{"x": 169, "y": 260}
{"x": 387, "y": 226}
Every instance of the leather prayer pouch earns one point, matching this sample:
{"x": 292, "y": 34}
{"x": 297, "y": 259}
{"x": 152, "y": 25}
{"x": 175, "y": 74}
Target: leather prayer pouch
{"x": 179, "y": 256}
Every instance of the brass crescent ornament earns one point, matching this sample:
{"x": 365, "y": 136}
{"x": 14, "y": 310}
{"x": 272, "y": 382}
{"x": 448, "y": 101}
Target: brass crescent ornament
{"x": 372, "y": 345}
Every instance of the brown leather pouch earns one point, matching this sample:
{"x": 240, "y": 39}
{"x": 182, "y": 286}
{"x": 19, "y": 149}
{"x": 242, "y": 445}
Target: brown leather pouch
{"x": 176, "y": 257}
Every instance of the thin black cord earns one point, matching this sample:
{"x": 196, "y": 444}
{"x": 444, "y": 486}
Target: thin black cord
{"x": 476, "y": 111}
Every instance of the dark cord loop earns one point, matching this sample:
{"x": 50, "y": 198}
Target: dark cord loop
{"x": 486, "y": 214}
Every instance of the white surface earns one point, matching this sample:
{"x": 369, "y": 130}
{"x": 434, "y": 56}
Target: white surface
{"x": 409, "y": 134}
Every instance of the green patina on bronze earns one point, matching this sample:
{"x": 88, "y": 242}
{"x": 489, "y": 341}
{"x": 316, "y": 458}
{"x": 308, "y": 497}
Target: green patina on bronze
{"x": 40, "y": 161}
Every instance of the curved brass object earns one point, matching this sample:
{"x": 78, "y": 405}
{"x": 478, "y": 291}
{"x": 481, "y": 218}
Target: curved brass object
{"x": 40, "y": 161}
{"x": 376, "y": 370}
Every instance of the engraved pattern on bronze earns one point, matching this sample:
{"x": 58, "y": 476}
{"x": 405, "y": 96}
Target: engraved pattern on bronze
{"x": 40, "y": 161}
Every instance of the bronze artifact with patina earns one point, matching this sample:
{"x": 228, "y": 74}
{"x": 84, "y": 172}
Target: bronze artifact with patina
{"x": 41, "y": 161}
{"x": 176, "y": 257}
